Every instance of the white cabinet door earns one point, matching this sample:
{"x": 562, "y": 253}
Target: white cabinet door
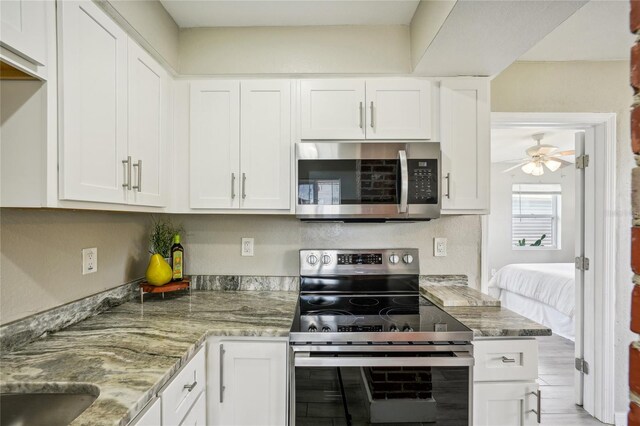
{"x": 151, "y": 415}
{"x": 465, "y": 130}
{"x": 148, "y": 140}
{"x": 398, "y": 109}
{"x": 93, "y": 115}
{"x": 332, "y": 109}
{"x": 198, "y": 414}
{"x": 265, "y": 141}
{"x": 248, "y": 380}
{"x": 181, "y": 393}
{"x": 504, "y": 404}
{"x": 23, "y": 28}
{"x": 215, "y": 144}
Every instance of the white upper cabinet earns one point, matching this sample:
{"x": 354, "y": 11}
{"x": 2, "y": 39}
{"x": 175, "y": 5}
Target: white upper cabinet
{"x": 93, "y": 113}
{"x": 149, "y": 96}
{"x": 465, "y": 133}
{"x": 23, "y": 29}
{"x": 265, "y": 147}
{"x": 240, "y": 156}
{"x": 215, "y": 144}
{"x": 398, "y": 109}
{"x": 332, "y": 109}
{"x": 384, "y": 109}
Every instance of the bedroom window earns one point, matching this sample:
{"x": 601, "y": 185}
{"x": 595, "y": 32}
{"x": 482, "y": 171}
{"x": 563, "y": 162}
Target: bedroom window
{"x": 535, "y": 213}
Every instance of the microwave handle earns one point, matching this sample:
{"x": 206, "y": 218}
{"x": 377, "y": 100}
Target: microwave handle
{"x": 404, "y": 181}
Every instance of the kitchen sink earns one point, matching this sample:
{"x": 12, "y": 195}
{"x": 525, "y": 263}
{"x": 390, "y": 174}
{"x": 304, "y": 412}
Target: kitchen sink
{"x": 45, "y": 406}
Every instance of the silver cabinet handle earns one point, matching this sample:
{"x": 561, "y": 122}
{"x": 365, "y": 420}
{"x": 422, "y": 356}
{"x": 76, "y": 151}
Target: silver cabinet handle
{"x": 233, "y": 186}
{"x": 361, "y": 111}
{"x": 221, "y": 373}
{"x": 448, "y": 178}
{"x": 508, "y": 360}
{"x": 191, "y": 386}
{"x": 127, "y": 171}
{"x": 139, "y": 185}
{"x": 372, "y": 115}
{"x": 538, "y": 412}
{"x": 404, "y": 179}
{"x": 244, "y": 186}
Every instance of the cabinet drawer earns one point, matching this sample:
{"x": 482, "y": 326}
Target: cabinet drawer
{"x": 504, "y": 360}
{"x": 198, "y": 414}
{"x": 180, "y": 394}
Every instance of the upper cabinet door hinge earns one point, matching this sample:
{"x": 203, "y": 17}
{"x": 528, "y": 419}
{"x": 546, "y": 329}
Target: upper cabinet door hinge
{"x": 582, "y": 263}
{"x": 582, "y": 366}
{"x": 582, "y": 161}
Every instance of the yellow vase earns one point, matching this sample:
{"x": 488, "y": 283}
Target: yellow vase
{"x": 158, "y": 272}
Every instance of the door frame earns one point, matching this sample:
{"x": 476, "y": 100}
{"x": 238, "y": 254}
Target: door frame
{"x": 602, "y": 344}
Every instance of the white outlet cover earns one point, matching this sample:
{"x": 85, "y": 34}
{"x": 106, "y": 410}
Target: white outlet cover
{"x": 439, "y": 247}
{"x": 247, "y": 247}
{"x": 89, "y": 260}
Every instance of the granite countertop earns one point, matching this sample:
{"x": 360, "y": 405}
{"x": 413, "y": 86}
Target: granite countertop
{"x": 457, "y": 295}
{"x": 129, "y": 352}
{"x": 488, "y": 321}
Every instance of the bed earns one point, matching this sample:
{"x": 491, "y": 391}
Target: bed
{"x": 543, "y": 292}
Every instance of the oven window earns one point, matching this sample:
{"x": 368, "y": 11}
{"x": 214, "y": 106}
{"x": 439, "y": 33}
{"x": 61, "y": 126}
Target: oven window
{"x": 389, "y": 395}
{"x": 334, "y": 182}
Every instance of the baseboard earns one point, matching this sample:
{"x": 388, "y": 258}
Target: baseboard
{"x": 620, "y": 418}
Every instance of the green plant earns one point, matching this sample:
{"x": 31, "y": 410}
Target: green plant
{"x": 536, "y": 243}
{"x": 161, "y": 238}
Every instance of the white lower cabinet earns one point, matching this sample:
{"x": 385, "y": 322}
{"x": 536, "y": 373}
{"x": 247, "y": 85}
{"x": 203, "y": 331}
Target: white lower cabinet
{"x": 183, "y": 393}
{"x": 247, "y": 381}
{"x": 151, "y": 415}
{"x": 505, "y": 391}
{"x": 198, "y": 414}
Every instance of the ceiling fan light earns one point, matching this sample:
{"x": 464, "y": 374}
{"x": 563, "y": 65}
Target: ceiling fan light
{"x": 552, "y": 164}
{"x": 538, "y": 170}
{"x": 528, "y": 168}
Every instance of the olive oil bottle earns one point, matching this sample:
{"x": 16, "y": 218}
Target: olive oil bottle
{"x": 177, "y": 259}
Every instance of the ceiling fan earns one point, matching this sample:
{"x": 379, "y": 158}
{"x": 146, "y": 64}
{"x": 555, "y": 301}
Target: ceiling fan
{"x": 542, "y": 154}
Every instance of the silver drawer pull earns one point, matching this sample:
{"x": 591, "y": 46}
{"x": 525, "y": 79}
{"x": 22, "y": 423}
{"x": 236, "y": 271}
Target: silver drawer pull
{"x": 507, "y": 360}
{"x": 127, "y": 173}
{"x": 191, "y": 386}
{"x": 138, "y": 187}
{"x": 538, "y": 412}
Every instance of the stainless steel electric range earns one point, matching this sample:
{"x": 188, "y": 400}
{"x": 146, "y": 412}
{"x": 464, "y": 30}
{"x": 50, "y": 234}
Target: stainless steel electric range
{"x": 365, "y": 340}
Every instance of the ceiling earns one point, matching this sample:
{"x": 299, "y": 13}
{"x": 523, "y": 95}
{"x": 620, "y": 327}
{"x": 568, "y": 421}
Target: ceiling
{"x": 268, "y": 13}
{"x": 510, "y": 144}
{"x": 598, "y": 31}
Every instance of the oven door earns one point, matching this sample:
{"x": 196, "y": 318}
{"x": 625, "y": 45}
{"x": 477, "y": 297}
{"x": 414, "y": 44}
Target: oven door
{"x": 392, "y": 387}
{"x": 392, "y": 181}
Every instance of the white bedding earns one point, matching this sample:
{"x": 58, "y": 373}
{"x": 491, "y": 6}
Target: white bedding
{"x": 552, "y": 284}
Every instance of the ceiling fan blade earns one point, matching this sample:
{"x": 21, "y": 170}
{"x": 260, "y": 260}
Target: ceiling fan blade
{"x": 516, "y": 166}
{"x": 564, "y": 153}
{"x": 515, "y": 160}
{"x": 565, "y": 163}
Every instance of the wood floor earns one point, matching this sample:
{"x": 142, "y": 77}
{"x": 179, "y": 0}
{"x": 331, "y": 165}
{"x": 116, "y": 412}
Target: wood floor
{"x": 556, "y": 383}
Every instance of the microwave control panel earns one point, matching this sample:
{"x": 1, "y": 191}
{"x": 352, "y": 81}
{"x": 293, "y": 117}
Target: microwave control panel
{"x": 423, "y": 181}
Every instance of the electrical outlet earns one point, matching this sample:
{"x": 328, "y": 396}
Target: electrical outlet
{"x": 89, "y": 260}
{"x": 439, "y": 247}
{"x": 247, "y": 246}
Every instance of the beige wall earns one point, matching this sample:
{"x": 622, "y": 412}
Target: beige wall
{"x": 292, "y": 50}
{"x": 212, "y": 243}
{"x": 585, "y": 87}
{"x": 153, "y": 23}
{"x": 40, "y": 256}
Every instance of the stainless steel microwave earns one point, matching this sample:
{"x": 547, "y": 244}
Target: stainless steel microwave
{"x": 348, "y": 181}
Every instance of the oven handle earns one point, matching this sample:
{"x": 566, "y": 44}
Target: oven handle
{"x": 461, "y": 359}
{"x": 404, "y": 181}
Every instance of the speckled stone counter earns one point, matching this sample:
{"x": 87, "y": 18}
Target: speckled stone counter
{"x": 496, "y": 322}
{"x": 129, "y": 352}
{"x": 457, "y": 295}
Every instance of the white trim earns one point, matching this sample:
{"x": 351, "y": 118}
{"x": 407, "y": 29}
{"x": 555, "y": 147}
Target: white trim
{"x": 621, "y": 418}
{"x": 604, "y": 125}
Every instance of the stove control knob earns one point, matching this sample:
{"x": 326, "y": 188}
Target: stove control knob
{"x": 326, "y": 259}
{"x": 312, "y": 259}
{"x": 326, "y": 329}
{"x": 407, "y": 258}
{"x": 312, "y": 329}
{"x": 394, "y": 329}
{"x": 394, "y": 258}
{"x": 407, "y": 329}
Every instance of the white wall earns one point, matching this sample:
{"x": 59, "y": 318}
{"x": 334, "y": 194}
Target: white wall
{"x": 585, "y": 87}
{"x": 501, "y": 251}
{"x": 293, "y": 50}
{"x": 212, "y": 243}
